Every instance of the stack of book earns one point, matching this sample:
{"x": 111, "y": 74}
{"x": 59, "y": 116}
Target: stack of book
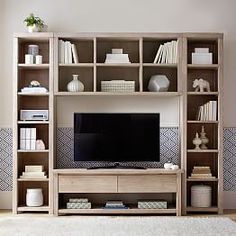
{"x": 208, "y": 111}
{"x": 200, "y": 172}
{"x": 78, "y": 203}
{"x": 33, "y": 172}
{"x": 27, "y": 138}
{"x": 167, "y": 53}
{"x": 115, "y": 205}
{"x": 67, "y": 52}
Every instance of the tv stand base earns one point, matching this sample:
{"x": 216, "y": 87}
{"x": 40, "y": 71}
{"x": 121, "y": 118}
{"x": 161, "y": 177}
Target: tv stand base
{"x": 116, "y": 165}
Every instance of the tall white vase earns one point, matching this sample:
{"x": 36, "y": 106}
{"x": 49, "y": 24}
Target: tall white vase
{"x": 75, "y": 85}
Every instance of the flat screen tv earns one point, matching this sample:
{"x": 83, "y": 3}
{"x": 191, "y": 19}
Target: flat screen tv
{"x": 117, "y": 137}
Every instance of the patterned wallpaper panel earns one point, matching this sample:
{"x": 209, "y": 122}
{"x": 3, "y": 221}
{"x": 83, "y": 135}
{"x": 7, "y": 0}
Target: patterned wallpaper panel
{"x": 169, "y": 149}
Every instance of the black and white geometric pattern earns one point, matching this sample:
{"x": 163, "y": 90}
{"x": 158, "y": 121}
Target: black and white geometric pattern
{"x": 169, "y": 150}
{"x": 5, "y": 159}
{"x": 229, "y": 159}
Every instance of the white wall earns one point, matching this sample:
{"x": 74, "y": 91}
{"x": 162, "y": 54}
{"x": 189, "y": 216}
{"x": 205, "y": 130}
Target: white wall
{"x": 120, "y": 16}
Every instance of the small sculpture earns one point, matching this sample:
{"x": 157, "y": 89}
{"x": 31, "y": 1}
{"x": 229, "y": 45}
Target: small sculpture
{"x": 34, "y": 83}
{"x": 197, "y": 141}
{"x": 200, "y": 85}
{"x": 168, "y": 165}
{"x": 204, "y": 139}
{"x": 40, "y": 145}
{"x": 158, "y": 83}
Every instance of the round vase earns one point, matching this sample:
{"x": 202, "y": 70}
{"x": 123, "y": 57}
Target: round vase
{"x": 75, "y": 85}
{"x": 197, "y": 141}
{"x": 34, "y": 197}
{"x": 204, "y": 139}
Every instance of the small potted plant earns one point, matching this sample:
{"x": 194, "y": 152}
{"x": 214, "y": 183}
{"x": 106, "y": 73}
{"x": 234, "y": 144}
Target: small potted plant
{"x": 34, "y": 23}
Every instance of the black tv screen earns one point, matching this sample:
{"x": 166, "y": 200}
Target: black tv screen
{"x": 117, "y": 137}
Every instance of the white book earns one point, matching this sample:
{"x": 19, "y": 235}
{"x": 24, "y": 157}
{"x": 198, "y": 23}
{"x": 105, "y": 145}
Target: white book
{"x": 22, "y": 144}
{"x": 61, "y": 49}
{"x": 161, "y": 55}
{"x": 74, "y": 53}
{"x": 33, "y": 144}
{"x": 33, "y": 168}
{"x": 167, "y": 52}
{"x": 22, "y": 133}
{"x": 27, "y": 144}
{"x": 33, "y": 173}
{"x": 210, "y": 110}
{"x": 67, "y": 52}
{"x": 33, "y": 133}
{"x": 176, "y": 51}
{"x": 27, "y": 133}
{"x": 214, "y": 110}
{"x": 158, "y": 54}
{"x": 33, "y": 177}
{"x": 169, "y": 45}
{"x": 163, "y": 59}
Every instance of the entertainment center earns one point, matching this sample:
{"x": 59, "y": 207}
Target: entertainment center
{"x": 129, "y": 185}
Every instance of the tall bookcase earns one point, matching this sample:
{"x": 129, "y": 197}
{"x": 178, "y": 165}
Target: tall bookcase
{"x": 142, "y": 48}
{"x": 23, "y": 75}
{"x": 213, "y": 156}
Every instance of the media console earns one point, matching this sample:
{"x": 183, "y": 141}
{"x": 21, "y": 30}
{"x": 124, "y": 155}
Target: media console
{"x": 128, "y": 185}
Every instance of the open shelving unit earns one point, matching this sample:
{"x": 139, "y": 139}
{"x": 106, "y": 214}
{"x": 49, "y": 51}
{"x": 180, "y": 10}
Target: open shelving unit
{"x": 23, "y": 75}
{"x": 142, "y": 48}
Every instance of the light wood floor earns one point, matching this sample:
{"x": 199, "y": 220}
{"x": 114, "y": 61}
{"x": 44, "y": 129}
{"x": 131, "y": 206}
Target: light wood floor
{"x": 227, "y": 213}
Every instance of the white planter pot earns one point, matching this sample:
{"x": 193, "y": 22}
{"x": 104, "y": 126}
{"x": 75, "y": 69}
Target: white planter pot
{"x": 33, "y": 28}
{"x": 34, "y": 197}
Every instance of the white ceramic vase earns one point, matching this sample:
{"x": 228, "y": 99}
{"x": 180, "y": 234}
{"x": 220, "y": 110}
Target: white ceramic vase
{"x": 34, "y": 197}
{"x": 75, "y": 85}
{"x": 33, "y": 28}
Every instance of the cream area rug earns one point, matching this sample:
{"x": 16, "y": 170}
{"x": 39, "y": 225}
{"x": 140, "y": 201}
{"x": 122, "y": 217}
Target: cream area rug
{"x": 115, "y": 226}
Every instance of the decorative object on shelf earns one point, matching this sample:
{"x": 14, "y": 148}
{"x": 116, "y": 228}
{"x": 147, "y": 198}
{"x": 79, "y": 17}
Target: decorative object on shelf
{"x": 158, "y": 83}
{"x": 33, "y": 115}
{"x": 152, "y": 204}
{"x": 204, "y": 139}
{"x": 168, "y": 165}
{"x": 115, "y": 205}
{"x": 197, "y": 141}
{"x": 34, "y": 87}
{"x": 39, "y": 59}
{"x": 117, "y": 56}
{"x": 75, "y": 85}
{"x": 201, "y": 172}
{"x": 33, "y": 49}
{"x": 167, "y": 53}
{"x": 78, "y": 203}
{"x": 29, "y": 59}
{"x": 201, "y": 196}
{"x": 201, "y": 56}
{"x": 34, "y": 197}
{"x": 200, "y": 85}
{"x": 33, "y": 172}
{"x": 34, "y": 23}
{"x": 174, "y": 167}
{"x": 118, "y": 86}
{"x": 40, "y": 145}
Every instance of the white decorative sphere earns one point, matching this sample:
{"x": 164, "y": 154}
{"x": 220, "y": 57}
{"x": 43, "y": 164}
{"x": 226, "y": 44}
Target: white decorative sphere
{"x": 158, "y": 83}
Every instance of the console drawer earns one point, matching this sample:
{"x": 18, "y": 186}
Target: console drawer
{"x": 87, "y": 184}
{"x": 147, "y": 184}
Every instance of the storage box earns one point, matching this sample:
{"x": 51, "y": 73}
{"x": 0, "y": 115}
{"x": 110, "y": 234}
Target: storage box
{"x": 81, "y": 205}
{"x": 117, "y": 86}
{"x": 201, "y": 196}
{"x": 156, "y": 204}
{"x": 201, "y": 58}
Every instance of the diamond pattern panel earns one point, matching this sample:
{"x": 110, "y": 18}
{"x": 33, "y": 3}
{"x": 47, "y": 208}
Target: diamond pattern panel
{"x": 169, "y": 150}
{"x": 229, "y": 159}
{"x": 5, "y": 159}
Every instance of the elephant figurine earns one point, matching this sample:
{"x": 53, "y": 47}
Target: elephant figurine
{"x": 200, "y": 85}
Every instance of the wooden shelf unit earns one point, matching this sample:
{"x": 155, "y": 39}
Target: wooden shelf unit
{"x": 213, "y": 156}
{"x": 142, "y": 48}
{"x": 23, "y": 75}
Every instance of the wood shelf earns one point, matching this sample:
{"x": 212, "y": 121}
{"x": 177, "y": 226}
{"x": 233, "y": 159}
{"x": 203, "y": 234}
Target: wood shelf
{"x": 202, "y": 209}
{"x": 203, "y": 151}
{"x": 33, "y": 66}
{"x": 33, "y": 94}
{"x": 117, "y": 211}
{"x": 32, "y": 209}
{"x": 202, "y": 179}
{"x": 32, "y": 151}
{"x": 157, "y": 94}
{"x": 117, "y": 64}
{"x": 202, "y": 122}
{"x": 77, "y": 65}
{"x": 160, "y": 65}
{"x": 203, "y": 66}
{"x": 202, "y": 93}
{"x": 33, "y": 122}
{"x": 33, "y": 179}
